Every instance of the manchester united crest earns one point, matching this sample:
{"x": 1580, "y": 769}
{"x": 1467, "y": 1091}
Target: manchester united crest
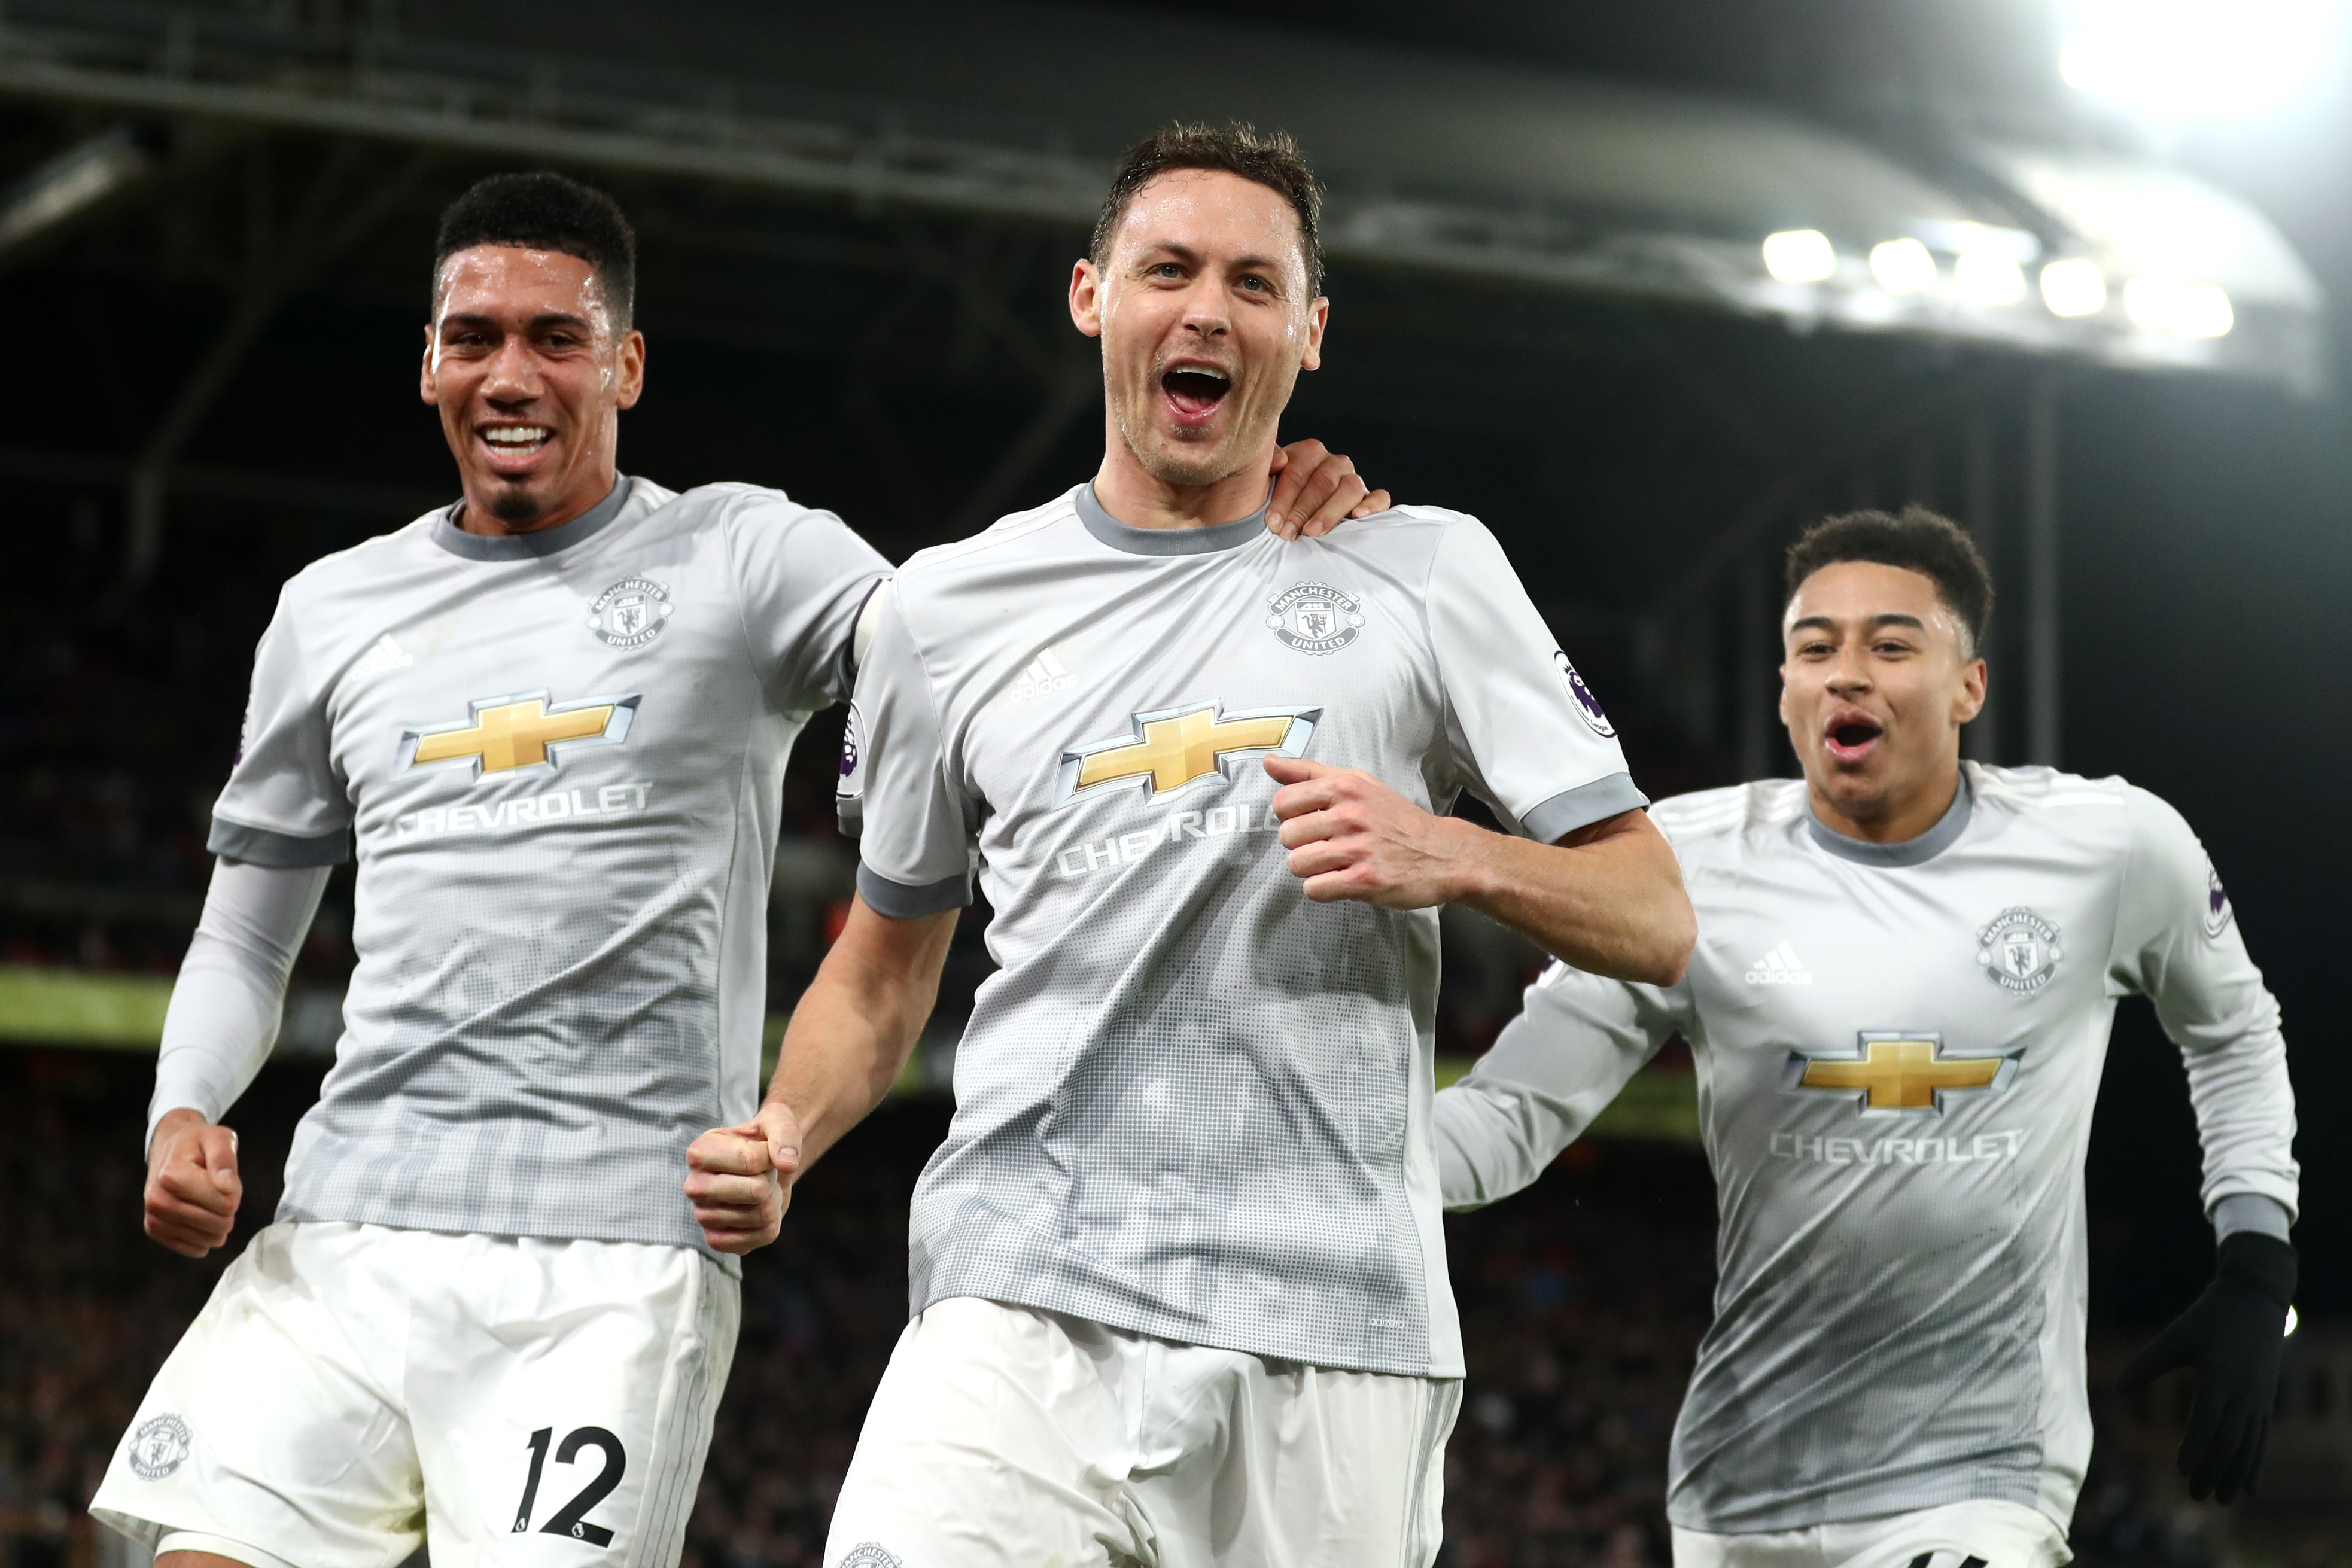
{"x": 159, "y": 1446}
{"x": 631, "y": 613}
{"x": 1315, "y": 618}
{"x": 2019, "y": 950}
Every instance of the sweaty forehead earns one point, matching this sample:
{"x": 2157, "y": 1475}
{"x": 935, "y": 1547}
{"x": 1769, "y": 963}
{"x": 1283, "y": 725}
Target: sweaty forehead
{"x": 1853, "y": 592}
{"x": 502, "y": 280}
{"x": 1215, "y": 212}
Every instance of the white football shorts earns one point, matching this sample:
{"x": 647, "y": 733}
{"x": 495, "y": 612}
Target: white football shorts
{"x": 350, "y": 1390}
{"x": 1006, "y": 1436}
{"x": 1958, "y": 1535}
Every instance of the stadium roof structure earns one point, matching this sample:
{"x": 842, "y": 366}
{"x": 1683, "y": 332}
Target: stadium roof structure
{"x": 1446, "y": 165}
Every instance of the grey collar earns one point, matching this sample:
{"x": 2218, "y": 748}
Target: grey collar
{"x": 538, "y": 542}
{"x": 1910, "y": 851}
{"x": 1166, "y": 541}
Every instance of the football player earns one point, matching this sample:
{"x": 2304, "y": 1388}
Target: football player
{"x": 1178, "y": 1282}
{"x": 1907, "y": 972}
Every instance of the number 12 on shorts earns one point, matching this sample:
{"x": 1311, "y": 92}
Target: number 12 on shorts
{"x": 570, "y": 1519}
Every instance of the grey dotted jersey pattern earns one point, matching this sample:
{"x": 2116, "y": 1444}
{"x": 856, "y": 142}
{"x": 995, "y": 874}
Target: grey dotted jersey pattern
{"x": 1898, "y": 1050}
{"x": 560, "y": 760}
{"x": 1192, "y": 1104}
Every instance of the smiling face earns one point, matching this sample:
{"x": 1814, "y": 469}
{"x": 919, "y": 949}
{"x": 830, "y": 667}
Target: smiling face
{"x": 1878, "y": 678}
{"x": 524, "y": 363}
{"x": 1205, "y": 322}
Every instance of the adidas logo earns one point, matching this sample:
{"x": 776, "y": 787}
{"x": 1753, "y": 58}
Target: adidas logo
{"x": 386, "y": 654}
{"x": 1779, "y": 967}
{"x": 1043, "y": 675}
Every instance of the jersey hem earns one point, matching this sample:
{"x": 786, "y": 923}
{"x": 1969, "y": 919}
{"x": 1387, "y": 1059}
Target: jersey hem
{"x": 292, "y": 1214}
{"x": 1147, "y": 1326}
{"x": 1852, "y": 1508}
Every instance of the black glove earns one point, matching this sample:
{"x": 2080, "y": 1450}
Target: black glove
{"x": 2233, "y": 1335}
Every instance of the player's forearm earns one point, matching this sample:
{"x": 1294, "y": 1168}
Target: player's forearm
{"x": 2245, "y": 1103}
{"x": 231, "y": 991}
{"x": 858, "y": 1021}
{"x": 1609, "y": 900}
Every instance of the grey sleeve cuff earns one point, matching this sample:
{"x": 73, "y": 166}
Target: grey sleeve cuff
{"x": 901, "y": 902}
{"x": 2250, "y": 1211}
{"x": 281, "y": 851}
{"x": 1605, "y": 797}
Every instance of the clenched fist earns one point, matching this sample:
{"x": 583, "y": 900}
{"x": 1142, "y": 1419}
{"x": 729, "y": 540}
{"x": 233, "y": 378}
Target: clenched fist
{"x": 739, "y": 1179}
{"x": 1352, "y": 836}
{"x": 193, "y": 1186}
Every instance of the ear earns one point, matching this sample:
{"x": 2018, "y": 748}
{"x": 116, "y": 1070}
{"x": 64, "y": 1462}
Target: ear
{"x": 1318, "y": 316}
{"x": 425, "y": 387}
{"x": 1782, "y": 704}
{"x": 1969, "y": 700}
{"x": 632, "y": 369}
{"x": 1086, "y": 298}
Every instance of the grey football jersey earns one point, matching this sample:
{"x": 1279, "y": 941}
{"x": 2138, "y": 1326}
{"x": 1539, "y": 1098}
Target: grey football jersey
{"x": 560, "y": 756}
{"x": 1191, "y": 1103}
{"x": 1898, "y": 1047}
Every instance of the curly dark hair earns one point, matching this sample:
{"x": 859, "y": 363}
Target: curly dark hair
{"x": 1918, "y": 540}
{"x": 546, "y": 211}
{"x": 1268, "y": 157}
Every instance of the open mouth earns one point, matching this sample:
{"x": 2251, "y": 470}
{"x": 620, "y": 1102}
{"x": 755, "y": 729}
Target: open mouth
{"x": 1851, "y": 735}
{"x": 1194, "y": 390}
{"x": 515, "y": 440}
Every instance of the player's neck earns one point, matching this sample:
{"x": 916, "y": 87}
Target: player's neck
{"x": 1134, "y": 496}
{"x": 1890, "y": 821}
{"x": 576, "y": 501}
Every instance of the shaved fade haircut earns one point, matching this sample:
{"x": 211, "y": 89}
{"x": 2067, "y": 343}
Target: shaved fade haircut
{"x": 1268, "y": 158}
{"x": 546, "y": 211}
{"x": 1916, "y": 540}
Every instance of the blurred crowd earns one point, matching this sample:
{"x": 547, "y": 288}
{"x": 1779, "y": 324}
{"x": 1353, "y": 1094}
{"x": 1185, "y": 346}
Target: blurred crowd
{"x": 1582, "y": 1302}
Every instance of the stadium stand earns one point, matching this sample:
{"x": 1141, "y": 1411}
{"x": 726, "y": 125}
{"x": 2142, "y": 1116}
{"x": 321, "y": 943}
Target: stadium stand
{"x": 1582, "y": 1300}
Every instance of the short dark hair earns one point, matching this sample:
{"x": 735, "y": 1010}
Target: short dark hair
{"x": 1268, "y": 157}
{"x": 1918, "y": 540}
{"x": 546, "y": 211}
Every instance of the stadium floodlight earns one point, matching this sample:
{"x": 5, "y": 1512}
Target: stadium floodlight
{"x": 69, "y": 182}
{"x": 2073, "y": 286}
{"x": 2174, "y": 60}
{"x": 2164, "y": 303}
{"x": 1988, "y": 277}
{"x": 1902, "y": 265}
{"x": 2203, "y": 311}
{"x": 2152, "y": 301}
{"x": 1800, "y": 255}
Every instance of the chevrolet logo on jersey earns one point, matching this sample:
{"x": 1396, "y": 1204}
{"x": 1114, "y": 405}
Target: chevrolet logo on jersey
{"x": 1895, "y": 1071}
{"x": 1170, "y": 748}
{"x": 516, "y": 732}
